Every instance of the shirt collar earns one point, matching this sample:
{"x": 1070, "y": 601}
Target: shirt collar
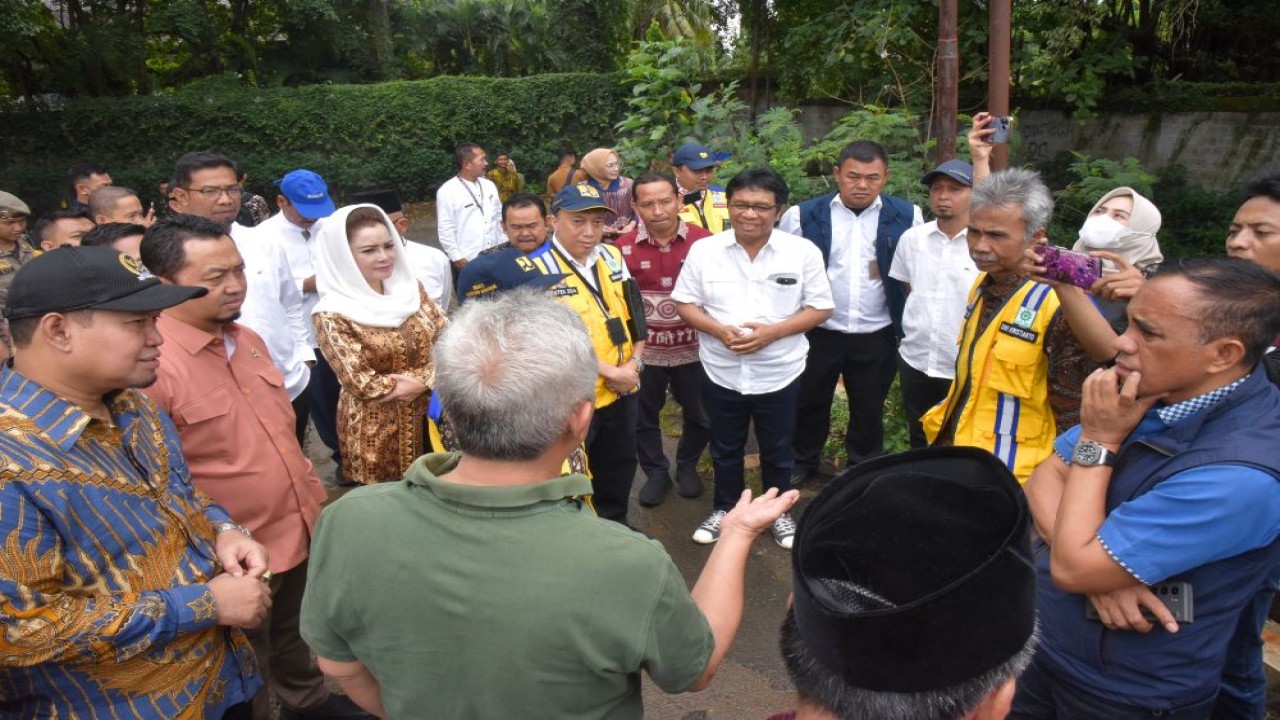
{"x": 428, "y": 471}
{"x": 591, "y": 257}
{"x": 1172, "y": 414}
{"x": 838, "y": 204}
{"x": 57, "y": 419}
{"x": 189, "y": 337}
{"x": 642, "y": 233}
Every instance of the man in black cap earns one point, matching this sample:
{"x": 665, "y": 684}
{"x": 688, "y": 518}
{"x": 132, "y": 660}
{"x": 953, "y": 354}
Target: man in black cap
{"x": 704, "y": 204}
{"x": 914, "y": 591}
{"x": 125, "y": 587}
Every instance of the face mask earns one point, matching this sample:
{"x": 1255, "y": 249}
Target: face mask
{"x": 1101, "y": 231}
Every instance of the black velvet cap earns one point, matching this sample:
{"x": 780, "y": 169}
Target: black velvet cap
{"x": 913, "y": 572}
{"x": 388, "y": 200}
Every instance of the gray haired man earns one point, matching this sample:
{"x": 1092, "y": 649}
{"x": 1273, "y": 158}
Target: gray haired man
{"x": 510, "y": 593}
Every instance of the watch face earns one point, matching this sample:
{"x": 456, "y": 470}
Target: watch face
{"x": 1088, "y": 454}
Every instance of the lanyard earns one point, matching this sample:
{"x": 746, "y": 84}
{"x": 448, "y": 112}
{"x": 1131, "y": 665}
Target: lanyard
{"x": 595, "y": 289}
{"x": 479, "y": 202}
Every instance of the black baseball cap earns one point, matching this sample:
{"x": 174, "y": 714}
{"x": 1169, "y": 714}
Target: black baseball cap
{"x": 79, "y": 278}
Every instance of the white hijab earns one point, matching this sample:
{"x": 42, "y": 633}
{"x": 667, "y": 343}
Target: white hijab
{"x": 1137, "y": 243}
{"x": 343, "y": 290}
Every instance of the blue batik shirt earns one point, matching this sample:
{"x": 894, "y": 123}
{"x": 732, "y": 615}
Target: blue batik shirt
{"x": 108, "y": 549}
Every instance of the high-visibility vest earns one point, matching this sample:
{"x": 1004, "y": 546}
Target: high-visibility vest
{"x": 715, "y": 211}
{"x": 1002, "y": 379}
{"x": 575, "y": 293}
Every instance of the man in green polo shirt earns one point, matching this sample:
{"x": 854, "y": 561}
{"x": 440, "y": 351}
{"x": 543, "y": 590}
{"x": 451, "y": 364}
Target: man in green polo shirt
{"x": 483, "y": 585}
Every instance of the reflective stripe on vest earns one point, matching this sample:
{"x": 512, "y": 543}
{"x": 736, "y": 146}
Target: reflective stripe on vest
{"x": 715, "y": 208}
{"x": 573, "y": 292}
{"x": 1006, "y": 410}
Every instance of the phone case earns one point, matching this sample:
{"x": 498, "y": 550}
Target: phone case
{"x": 1066, "y": 266}
{"x": 1004, "y": 128}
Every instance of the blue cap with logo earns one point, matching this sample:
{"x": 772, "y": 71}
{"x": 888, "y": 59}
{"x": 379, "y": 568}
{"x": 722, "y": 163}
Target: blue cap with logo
{"x": 958, "y": 170}
{"x": 697, "y": 156}
{"x": 506, "y": 269}
{"x": 578, "y": 198}
{"x": 308, "y": 194}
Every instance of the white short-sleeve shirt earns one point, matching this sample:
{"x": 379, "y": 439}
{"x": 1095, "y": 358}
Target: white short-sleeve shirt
{"x": 786, "y": 276}
{"x": 940, "y": 273}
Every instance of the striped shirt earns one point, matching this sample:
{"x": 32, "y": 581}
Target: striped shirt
{"x": 108, "y": 548}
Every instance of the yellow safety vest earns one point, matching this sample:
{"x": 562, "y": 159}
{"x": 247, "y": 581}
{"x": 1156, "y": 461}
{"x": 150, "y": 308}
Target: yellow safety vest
{"x": 595, "y": 311}
{"x": 1006, "y": 371}
{"x": 715, "y": 210}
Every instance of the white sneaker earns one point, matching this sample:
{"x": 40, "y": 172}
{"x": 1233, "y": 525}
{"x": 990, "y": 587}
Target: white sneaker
{"x": 784, "y": 531}
{"x": 709, "y": 531}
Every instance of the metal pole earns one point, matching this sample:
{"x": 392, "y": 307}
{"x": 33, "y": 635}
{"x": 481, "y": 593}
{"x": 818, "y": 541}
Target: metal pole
{"x": 998, "y": 78}
{"x": 946, "y": 101}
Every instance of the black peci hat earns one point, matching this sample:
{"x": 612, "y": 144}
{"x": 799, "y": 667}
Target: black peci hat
{"x": 913, "y": 572}
{"x": 78, "y": 278}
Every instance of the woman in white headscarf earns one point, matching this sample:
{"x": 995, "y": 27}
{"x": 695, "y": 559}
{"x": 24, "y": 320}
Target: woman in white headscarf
{"x": 376, "y": 327}
{"x": 1123, "y": 223}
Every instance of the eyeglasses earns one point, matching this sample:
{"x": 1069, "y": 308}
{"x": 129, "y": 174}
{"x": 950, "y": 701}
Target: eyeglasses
{"x": 213, "y": 193}
{"x": 760, "y": 209}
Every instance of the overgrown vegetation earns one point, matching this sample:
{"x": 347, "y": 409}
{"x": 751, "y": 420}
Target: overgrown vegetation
{"x": 399, "y": 135}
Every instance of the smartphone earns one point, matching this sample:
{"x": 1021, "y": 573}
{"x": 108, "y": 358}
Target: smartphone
{"x": 1003, "y": 126}
{"x": 1063, "y": 265}
{"x": 1176, "y": 596}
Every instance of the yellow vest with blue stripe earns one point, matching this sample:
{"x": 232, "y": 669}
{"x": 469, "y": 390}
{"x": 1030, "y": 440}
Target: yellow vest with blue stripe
{"x": 575, "y": 293}
{"x": 714, "y": 217}
{"x": 1005, "y": 371}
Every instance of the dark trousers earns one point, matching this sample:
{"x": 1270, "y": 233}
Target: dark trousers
{"x": 284, "y": 659}
{"x": 686, "y": 383}
{"x": 301, "y": 414}
{"x": 920, "y": 392}
{"x": 611, "y": 454}
{"x": 1043, "y": 696}
{"x": 730, "y": 414}
{"x": 323, "y": 390}
{"x": 867, "y": 363}
{"x": 239, "y": 711}
{"x": 1243, "y": 693}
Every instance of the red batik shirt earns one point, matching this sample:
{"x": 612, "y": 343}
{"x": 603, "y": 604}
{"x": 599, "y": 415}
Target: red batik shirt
{"x": 655, "y": 267}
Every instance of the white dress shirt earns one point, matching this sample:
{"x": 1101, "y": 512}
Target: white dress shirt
{"x": 431, "y": 267}
{"x": 468, "y": 217}
{"x": 273, "y": 308}
{"x": 587, "y": 271}
{"x": 940, "y": 273}
{"x": 298, "y": 245}
{"x": 786, "y": 276}
{"x": 856, "y": 286}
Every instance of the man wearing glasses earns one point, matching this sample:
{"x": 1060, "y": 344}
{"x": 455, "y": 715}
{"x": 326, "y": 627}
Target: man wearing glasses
{"x": 205, "y": 185}
{"x": 752, "y": 292}
{"x": 857, "y": 230}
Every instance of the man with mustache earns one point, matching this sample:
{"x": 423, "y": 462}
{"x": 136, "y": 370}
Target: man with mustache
{"x": 1019, "y": 367}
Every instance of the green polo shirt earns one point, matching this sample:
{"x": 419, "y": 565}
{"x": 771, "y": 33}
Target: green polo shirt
{"x": 498, "y": 602}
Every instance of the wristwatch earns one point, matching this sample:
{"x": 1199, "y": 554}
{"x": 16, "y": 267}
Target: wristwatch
{"x": 1089, "y": 453}
{"x": 639, "y": 363}
{"x": 219, "y": 528}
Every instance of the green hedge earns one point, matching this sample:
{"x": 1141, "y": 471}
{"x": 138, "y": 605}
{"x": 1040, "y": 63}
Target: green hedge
{"x": 398, "y": 134}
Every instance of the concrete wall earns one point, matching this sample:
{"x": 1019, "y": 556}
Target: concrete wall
{"x": 1220, "y": 149}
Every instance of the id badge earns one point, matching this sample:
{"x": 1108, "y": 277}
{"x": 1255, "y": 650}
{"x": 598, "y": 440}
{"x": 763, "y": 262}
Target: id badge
{"x": 617, "y": 331}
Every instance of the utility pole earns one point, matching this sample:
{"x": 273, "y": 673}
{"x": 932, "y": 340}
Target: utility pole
{"x": 998, "y": 78}
{"x": 946, "y": 99}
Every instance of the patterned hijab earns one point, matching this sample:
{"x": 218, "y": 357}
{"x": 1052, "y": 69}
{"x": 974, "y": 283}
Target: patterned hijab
{"x": 343, "y": 290}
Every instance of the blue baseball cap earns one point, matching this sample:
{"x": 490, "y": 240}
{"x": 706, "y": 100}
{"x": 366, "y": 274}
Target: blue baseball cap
{"x": 696, "y": 156}
{"x": 506, "y": 269}
{"x": 958, "y": 170}
{"x": 578, "y": 198}
{"x": 308, "y": 193}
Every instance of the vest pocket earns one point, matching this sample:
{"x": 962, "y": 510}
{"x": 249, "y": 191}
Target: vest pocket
{"x": 1014, "y": 370}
